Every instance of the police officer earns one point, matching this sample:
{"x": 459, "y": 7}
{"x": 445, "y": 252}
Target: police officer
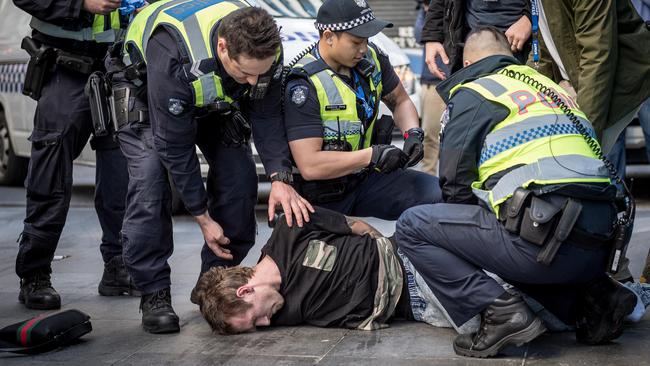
{"x": 526, "y": 197}
{"x": 331, "y": 117}
{"x": 69, "y": 40}
{"x": 198, "y": 74}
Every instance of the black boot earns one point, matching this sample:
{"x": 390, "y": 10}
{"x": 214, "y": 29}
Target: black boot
{"x": 508, "y": 320}
{"x": 36, "y": 292}
{"x": 602, "y": 310}
{"x": 158, "y": 316}
{"x": 116, "y": 281}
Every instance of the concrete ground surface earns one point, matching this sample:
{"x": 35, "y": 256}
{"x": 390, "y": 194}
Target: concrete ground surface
{"x": 117, "y": 337}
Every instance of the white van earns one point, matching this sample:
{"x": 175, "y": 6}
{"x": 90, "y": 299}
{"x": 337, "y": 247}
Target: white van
{"x": 296, "y": 17}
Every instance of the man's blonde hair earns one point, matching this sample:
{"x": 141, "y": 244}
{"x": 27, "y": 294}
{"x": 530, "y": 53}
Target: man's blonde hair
{"x": 217, "y": 293}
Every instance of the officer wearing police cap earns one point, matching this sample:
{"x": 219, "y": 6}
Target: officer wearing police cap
{"x": 337, "y": 140}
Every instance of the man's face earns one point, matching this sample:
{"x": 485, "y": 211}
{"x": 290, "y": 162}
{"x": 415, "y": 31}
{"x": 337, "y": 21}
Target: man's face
{"x": 266, "y": 301}
{"x": 244, "y": 69}
{"x": 347, "y": 49}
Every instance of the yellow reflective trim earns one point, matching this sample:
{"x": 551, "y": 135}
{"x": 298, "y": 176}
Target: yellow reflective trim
{"x": 98, "y": 24}
{"x": 198, "y": 93}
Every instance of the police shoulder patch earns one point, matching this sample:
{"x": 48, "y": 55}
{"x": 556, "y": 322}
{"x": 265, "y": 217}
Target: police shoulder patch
{"x": 176, "y": 106}
{"x": 299, "y": 94}
{"x": 444, "y": 119}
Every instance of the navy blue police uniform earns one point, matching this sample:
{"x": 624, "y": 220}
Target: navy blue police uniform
{"x": 384, "y": 196}
{"x": 62, "y": 126}
{"x": 164, "y": 146}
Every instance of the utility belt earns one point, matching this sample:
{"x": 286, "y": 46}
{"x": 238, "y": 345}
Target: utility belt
{"x": 44, "y": 58}
{"x": 546, "y": 224}
{"x": 328, "y": 190}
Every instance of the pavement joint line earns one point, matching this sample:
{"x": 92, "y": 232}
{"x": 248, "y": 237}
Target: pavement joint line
{"x": 318, "y": 360}
{"x": 147, "y": 344}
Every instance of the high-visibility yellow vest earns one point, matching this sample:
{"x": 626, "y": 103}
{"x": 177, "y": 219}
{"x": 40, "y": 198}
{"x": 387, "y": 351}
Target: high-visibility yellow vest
{"x": 537, "y": 139}
{"x": 105, "y": 28}
{"x": 195, "y": 21}
{"x": 338, "y": 102}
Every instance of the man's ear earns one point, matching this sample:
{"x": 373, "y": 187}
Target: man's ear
{"x": 466, "y": 63}
{"x": 243, "y": 291}
{"x": 222, "y": 45}
{"x": 328, "y": 35}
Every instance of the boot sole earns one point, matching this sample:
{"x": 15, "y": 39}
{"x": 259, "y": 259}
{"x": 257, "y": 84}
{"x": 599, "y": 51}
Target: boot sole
{"x": 162, "y": 329}
{"x": 117, "y": 291}
{"x": 38, "y": 306}
{"x": 535, "y": 329}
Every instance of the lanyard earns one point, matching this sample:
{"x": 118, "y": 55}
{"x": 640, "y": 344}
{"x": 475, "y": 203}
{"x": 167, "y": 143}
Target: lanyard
{"x": 361, "y": 96}
{"x": 534, "y": 11}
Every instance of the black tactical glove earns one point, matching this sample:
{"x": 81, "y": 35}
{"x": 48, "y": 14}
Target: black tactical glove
{"x": 413, "y": 146}
{"x": 235, "y": 129}
{"x": 387, "y": 158}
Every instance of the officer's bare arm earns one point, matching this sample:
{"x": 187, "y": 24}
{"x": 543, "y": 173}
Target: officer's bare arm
{"x": 404, "y": 112}
{"x": 360, "y": 227}
{"x": 316, "y": 164}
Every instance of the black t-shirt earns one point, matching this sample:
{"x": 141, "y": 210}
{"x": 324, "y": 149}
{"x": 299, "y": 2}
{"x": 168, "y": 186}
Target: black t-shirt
{"x": 302, "y": 120}
{"x": 329, "y": 277}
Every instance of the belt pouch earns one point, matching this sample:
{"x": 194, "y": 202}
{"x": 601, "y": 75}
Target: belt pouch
{"x": 513, "y": 213}
{"x": 538, "y": 221}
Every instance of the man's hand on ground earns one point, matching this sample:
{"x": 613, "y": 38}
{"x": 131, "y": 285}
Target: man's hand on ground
{"x": 518, "y": 34}
{"x": 213, "y": 235}
{"x": 433, "y": 50}
{"x": 101, "y": 6}
{"x": 292, "y": 204}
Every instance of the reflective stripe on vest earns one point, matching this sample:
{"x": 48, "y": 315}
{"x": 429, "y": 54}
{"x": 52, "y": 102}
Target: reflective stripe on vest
{"x": 536, "y": 135}
{"x": 98, "y": 32}
{"x": 338, "y": 103}
{"x": 194, "y": 21}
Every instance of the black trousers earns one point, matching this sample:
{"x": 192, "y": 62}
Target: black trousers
{"x": 451, "y": 245}
{"x": 147, "y": 230}
{"x": 62, "y": 126}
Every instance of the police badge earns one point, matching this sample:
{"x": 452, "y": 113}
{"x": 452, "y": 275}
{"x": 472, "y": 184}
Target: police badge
{"x": 299, "y": 95}
{"x": 361, "y": 3}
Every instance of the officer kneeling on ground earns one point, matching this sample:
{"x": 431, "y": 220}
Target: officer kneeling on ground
{"x": 194, "y": 74}
{"x": 331, "y": 104}
{"x": 527, "y": 198}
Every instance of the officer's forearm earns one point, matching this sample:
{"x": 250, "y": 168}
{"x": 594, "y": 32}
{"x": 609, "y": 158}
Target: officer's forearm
{"x": 57, "y": 11}
{"x": 318, "y": 165}
{"x": 404, "y": 112}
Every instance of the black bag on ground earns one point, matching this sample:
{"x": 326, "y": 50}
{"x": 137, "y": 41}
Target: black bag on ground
{"x": 44, "y": 332}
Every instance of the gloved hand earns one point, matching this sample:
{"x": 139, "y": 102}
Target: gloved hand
{"x": 413, "y": 146}
{"x": 387, "y": 158}
{"x": 235, "y": 129}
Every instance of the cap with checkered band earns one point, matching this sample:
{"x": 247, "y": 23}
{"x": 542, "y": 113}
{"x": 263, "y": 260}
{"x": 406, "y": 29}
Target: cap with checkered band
{"x": 350, "y": 16}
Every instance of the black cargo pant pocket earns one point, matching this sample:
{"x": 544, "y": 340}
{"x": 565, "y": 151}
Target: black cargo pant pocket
{"x": 45, "y": 174}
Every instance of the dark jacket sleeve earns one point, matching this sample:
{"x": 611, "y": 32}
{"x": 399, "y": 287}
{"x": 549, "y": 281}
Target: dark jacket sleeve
{"x": 268, "y": 131}
{"x": 59, "y": 12}
{"x": 174, "y": 136}
{"x": 471, "y": 117}
{"x": 432, "y": 30}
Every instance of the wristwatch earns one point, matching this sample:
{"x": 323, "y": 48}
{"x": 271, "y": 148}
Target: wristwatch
{"x": 284, "y": 177}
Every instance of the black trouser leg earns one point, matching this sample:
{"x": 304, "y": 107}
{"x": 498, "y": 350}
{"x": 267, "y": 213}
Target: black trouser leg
{"x": 61, "y": 129}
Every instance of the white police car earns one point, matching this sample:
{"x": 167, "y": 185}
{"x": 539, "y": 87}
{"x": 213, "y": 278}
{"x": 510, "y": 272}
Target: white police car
{"x": 296, "y": 17}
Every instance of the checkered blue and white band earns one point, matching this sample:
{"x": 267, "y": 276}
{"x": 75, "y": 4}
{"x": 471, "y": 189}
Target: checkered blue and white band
{"x": 338, "y": 27}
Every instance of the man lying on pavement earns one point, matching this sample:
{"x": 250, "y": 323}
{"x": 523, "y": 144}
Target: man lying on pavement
{"x": 336, "y": 271}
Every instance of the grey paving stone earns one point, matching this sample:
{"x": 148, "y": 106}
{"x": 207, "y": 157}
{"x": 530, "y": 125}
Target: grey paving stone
{"x": 156, "y": 359}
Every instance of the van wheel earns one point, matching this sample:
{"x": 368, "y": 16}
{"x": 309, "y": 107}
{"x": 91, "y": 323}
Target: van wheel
{"x": 13, "y": 169}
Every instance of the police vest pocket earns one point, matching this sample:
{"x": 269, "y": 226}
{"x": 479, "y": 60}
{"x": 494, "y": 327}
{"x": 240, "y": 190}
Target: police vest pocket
{"x": 44, "y": 175}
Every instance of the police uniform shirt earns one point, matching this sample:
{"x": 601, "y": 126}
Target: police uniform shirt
{"x": 329, "y": 276}
{"x": 176, "y": 130}
{"x": 302, "y": 108}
